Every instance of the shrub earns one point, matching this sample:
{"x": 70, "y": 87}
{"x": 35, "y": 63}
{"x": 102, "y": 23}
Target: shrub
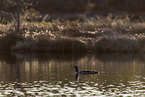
{"x": 42, "y": 42}
{"x": 9, "y": 40}
{"x": 25, "y": 46}
{"x": 117, "y": 44}
{"x": 67, "y": 45}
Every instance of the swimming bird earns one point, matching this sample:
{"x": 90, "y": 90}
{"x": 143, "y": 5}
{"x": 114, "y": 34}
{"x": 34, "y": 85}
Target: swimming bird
{"x": 83, "y": 72}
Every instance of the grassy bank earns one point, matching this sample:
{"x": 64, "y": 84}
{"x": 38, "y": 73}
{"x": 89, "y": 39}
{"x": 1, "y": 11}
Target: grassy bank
{"x": 122, "y": 33}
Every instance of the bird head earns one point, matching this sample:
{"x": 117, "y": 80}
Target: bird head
{"x": 76, "y": 68}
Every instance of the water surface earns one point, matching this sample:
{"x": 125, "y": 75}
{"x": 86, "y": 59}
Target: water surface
{"x": 52, "y": 74}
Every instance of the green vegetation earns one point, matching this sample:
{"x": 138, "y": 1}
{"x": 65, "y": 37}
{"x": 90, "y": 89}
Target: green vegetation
{"x": 99, "y": 33}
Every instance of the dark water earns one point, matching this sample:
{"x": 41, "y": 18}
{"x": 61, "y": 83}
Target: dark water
{"x": 47, "y": 74}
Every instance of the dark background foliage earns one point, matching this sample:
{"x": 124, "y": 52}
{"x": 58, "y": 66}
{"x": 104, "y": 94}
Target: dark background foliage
{"x": 76, "y": 5}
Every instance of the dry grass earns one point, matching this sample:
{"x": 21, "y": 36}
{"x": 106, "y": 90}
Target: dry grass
{"x": 111, "y": 33}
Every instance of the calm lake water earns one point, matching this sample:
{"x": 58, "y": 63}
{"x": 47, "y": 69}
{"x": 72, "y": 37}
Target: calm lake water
{"x": 49, "y": 74}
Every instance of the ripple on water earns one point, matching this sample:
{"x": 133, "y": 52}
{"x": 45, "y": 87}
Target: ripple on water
{"x": 110, "y": 86}
{"x": 74, "y": 89}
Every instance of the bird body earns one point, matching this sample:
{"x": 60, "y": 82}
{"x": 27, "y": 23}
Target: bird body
{"x": 84, "y": 72}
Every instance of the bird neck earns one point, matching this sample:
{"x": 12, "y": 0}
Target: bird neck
{"x": 77, "y": 69}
